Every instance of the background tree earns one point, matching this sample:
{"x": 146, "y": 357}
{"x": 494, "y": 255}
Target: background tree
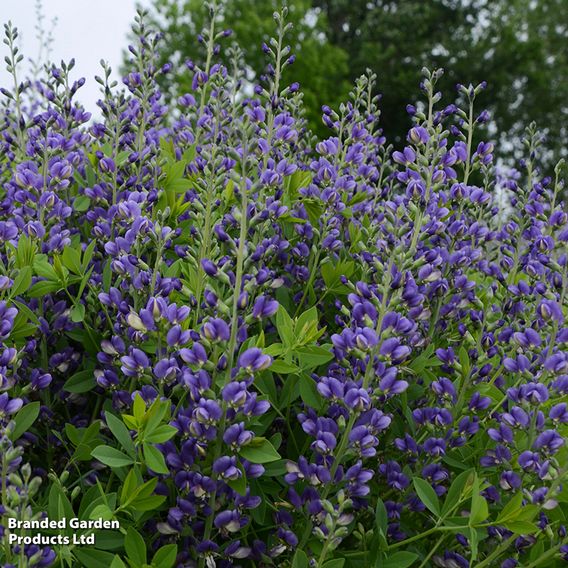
{"x": 518, "y": 46}
{"x": 321, "y": 67}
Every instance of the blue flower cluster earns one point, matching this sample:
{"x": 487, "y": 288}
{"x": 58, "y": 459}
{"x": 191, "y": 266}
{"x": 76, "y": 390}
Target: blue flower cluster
{"x": 255, "y": 348}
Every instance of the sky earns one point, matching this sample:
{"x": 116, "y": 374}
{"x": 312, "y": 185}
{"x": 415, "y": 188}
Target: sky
{"x": 88, "y": 30}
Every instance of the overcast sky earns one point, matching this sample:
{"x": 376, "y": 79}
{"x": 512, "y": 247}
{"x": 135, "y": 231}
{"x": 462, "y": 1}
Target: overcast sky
{"x": 88, "y": 30}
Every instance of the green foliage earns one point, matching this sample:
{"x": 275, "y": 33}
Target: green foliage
{"x": 24, "y": 419}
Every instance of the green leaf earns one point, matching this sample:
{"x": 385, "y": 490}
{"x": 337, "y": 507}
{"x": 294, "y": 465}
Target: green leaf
{"x": 332, "y": 276}
{"x": 43, "y": 288}
{"x": 135, "y": 546}
{"x": 312, "y": 356}
{"x": 72, "y": 260}
{"x": 275, "y": 468}
{"x": 102, "y": 511}
{"x": 427, "y": 495}
{"x": 285, "y": 326}
{"x": 479, "y": 508}
{"x": 260, "y": 450}
{"x": 88, "y": 255}
{"x": 81, "y": 203}
{"x": 527, "y": 513}
{"x": 25, "y": 311}
{"x": 26, "y": 251}
{"x": 190, "y": 153}
{"x": 300, "y": 559}
{"x": 464, "y": 361}
{"x": 491, "y": 391}
{"x": 85, "y": 439}
{"x": 151, "y": 503}
{"x": 511, "y": 510}
{"x": 165, "y": 557}
{"x": 121, "y": 433}
{"x": 283, "y": 368}
{"x": 457, "y": 490}
{"x": 107, "y": 276}
{"x": 229, "y": 192}
{"x": 44, "y": 269}
{"x": 521, "y": 527}
{"x": 77, "y": 313}
{"x": 308, "y": 318}
{"x": 274, "y": 349}
{"x": 154, "y": 459}
{"x": 239, "y": 485}
{"x": 292, "y": 185}
{"x": 473, "y": 538}
{"x": 381, "y": 517}
{"x": 130, "y": 486}
{"x": 314, "y": 209}
{"x": 91, "y": 558}
{"x": 155, "y": 414}
{"x": 111, "y": 456}
{"x": 59, "y": 506}
{"x": 335, "y": 563}
{"x": 161, "y": 434}
{"x": 117, "y": 562}
{"x": 80, "y": 382}
{"x": 139, "y": 408}
{"x": 22, "y": 281}
{"x": 25, "y": 417}
{"x": 309, "y": 392}
{"x": 425, "y": 360}
{"x": 400, "y": 560}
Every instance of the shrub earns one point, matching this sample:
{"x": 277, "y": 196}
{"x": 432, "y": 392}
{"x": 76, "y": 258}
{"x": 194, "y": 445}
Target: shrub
{"x": 253, "y": 348}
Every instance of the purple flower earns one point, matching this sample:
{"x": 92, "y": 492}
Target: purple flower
{"x": 418, "y": 135}
{"x": 226, "y": 467}
{"x": 550, "y": 310}
{"x": 390, "y": 385}
{"x": 254, "y": 360}
{"x": 264, "y": 307}
{"x": 230, "y": 521}
{"x": 135, "y": 363}
{"x": 216, "y": 330}
{"x": 235, "y": 393}
{"x": 9, "y": 406}
{"x": 236, "y": 436}
{"x": 549, "y": 440}
{"x": 209, "y": 267}
{"x": 357, "y": 399}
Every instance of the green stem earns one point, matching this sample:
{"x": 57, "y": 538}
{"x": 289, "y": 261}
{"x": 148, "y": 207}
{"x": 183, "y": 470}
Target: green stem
{"x": 325, "y": 548}
{"x": 232, "y": 339}
{"x": 206, "y": 242}
{"x": 469, "y": 140}
{"x": 5, "y": 504}
{"x": 433, "y": 550}
{"x": 210, "y": 49}
{"x": 548, "y": 554}
{"x": 310, "y": 282}
{"x": 366, "y": 380}
{"x": 497, "y": 552}
{"x": 423, "y": 535}
{"x": 156, "y": 266}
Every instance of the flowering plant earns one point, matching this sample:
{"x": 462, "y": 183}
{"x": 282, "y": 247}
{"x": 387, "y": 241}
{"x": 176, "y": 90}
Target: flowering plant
{"x": 247, "y": 347}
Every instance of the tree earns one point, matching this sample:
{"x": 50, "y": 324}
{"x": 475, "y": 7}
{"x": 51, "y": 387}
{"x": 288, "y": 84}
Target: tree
{"x": 518, "y": 46}
{"x": 320, "y": 67}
